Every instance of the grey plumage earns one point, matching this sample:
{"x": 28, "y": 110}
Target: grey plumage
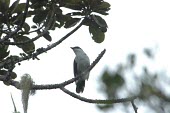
{"x": 81, "y": 63}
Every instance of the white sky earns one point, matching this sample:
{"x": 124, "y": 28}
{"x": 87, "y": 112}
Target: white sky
{"x": 133, "y": 25}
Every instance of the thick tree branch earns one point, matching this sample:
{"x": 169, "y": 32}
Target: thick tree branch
{"x": 73, "y": 79}
{"x": 10, "y": 82}
{"x": 96, "y": 101}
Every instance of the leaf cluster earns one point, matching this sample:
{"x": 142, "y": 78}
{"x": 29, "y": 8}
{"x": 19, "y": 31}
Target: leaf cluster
{"x": 151, "y": 87}
{"x": 45, "y": 16}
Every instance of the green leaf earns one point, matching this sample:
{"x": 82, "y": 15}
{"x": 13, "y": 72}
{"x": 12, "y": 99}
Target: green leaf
{"x": 3, "y": 51}
{"x": 40, "y": 16}
{"x": 17, "y": 19}
{"x": 14, "y": 6}
{"x": 4, "y": 5}
{"x": 13, "y": 75}
{"x": 102, "y": 8}
{"x": 26, "y": 47}
{"x": 20, "y": 8}
{"x": 113, "y": 80}
{"x": 3, "y": 72}
{"x": 99, "y": 21}
{"x": 7, "y": 83}
{"x": 76, "y": 1}
{"x": 87, "y": 21}
{"x": 33, "y": 1}
{"x": 26, "y": 27}
{"x": 71, "y": 1}
{"x": 71, "y": 22}
{"x": 94, "y": 3}
{"x": 75, "y": 14}
{"x": 103, "y": 5}
{"x": 103, "y": 12}
{"x": 97, "y": 35}
{"x": 73, "y": 6}
{"x": 58, "y": 10}
{"x": 31, "y": 13}
{"x": 36, "y": 4}
{"x": 53, "y": 24}
{"x": 3, "y": 55}
{"x": 107, "y": 79}
{"x": 47, "y": 36}
{"x": 118, "y": 80}
{"x": 1, "y": 21}
{"x": 34, "y": 27}
{"x": 50, "y": 22}
{"x": 64, "y": 17}
{"x": 7, "y": 2}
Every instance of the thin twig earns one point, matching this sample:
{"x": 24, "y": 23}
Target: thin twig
{"x": 15, "y": 109}
{"x": 134, "y": 106}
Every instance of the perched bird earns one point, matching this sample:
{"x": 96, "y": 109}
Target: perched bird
{"x": 81, "y": 63}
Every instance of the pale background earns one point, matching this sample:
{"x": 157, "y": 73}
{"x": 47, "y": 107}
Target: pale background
{"x": 133, "y": 25}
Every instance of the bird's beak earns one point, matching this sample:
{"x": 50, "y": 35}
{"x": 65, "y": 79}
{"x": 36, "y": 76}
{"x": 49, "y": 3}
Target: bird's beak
{"x": 71, "y": 47}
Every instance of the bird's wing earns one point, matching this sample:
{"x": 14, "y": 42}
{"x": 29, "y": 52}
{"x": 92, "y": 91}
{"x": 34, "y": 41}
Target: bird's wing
{"x": 75, "y": 68}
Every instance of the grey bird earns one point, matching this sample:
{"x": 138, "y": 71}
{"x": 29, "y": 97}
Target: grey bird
{"x": 81, "y": 63}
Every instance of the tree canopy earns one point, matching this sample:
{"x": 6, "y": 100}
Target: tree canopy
{"x": 18, "y": 21}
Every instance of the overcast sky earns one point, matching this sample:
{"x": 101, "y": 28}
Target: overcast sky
{"x": 133, "y": 25}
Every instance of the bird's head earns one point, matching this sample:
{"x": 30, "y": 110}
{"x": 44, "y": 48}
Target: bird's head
{"x": 77, "y": 49}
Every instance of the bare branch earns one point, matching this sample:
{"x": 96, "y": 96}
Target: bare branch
{"x": 15, "y": 109}
{"x": 134, "y": 106}
{"x": 96, "y": 60}
{"x": 54, "y": 86}
{"x": 96, "y": 101}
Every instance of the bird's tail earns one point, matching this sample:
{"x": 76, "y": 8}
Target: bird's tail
{"x": 80, "y": 86}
